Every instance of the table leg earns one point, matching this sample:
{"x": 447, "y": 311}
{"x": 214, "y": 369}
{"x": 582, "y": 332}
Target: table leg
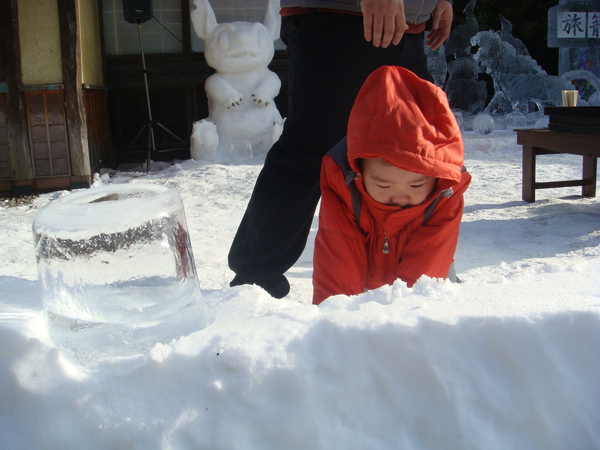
{"x": 527, "y": 188}
{"x": 590, "y": 172}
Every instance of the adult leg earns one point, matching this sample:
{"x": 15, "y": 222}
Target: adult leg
{"x": 329, "y": 61}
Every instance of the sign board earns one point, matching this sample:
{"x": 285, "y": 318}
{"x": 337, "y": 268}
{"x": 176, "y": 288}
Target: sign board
{"x": 575, "y": 24}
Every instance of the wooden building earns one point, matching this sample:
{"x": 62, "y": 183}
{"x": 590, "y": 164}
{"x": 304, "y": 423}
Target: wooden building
{"x": 72, "y": 90}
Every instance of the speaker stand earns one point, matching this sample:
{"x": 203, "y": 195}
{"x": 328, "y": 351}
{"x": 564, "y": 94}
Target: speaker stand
{"x": 151, "y": 122}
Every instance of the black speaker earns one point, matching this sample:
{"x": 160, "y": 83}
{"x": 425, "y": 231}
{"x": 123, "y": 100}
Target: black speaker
{"x": 137, "y": 11}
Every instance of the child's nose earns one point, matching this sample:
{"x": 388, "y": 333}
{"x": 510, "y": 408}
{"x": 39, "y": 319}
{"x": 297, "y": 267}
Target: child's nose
{"x": 401, "y": 199}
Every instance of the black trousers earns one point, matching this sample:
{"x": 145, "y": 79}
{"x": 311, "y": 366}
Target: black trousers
{"x": 329, "y": 61}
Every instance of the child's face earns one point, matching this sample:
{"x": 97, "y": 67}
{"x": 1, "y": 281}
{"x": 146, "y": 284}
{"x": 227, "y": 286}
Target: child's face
{"x": 392, "y": 186}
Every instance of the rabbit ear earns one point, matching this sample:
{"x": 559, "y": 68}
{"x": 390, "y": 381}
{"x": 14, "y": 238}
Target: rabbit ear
{"x": 203, "y": 19}
{"x": 272, "y": 19}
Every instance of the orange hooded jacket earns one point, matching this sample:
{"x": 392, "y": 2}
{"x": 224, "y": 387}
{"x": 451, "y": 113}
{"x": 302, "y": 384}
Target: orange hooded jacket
{"x": 407, "y": 121}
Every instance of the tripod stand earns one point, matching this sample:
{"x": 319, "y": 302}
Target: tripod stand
{"x": 151, "y": 123}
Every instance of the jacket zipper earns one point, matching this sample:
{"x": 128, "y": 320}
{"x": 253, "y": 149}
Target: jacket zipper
{"x": 386, "y": 259}
{"x": 386, "y": 244}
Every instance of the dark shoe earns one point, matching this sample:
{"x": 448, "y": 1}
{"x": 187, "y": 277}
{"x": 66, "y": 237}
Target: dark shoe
{"x": 278, "y": 287}
{"x": 237, "y": 281}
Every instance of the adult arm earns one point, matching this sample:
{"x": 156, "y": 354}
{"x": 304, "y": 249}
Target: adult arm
{"x": 384, "y": 21}
{"x": 441, "y": 23}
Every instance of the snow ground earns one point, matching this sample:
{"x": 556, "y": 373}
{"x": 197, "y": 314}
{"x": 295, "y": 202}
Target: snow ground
{"x": 510, "y": 358}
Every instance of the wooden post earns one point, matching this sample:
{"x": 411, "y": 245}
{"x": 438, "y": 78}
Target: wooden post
{"x": 10, "y": 72}
{"x": 527, "y": 186}
{"x": 589, "y": 172}
{"x": 73, "y": 88}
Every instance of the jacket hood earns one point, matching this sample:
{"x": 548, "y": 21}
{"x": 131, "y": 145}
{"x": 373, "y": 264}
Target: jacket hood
{"x": 408, "y": 122}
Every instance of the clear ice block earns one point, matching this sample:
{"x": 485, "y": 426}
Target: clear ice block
{"x": 483, "y": 123}
{"x": 514, "y": 120}
{"x": 114, "y": 255}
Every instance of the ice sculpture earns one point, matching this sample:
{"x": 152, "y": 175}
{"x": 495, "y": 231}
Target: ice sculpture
{"x": 241, "y": 93}
{"x": 463, "y": 88}
{"x": 519, "y": 82}
{"x": 492, "y": 72}
{"x": 437, "y": 65}
{"x": 515, "y": 120}
{"x": 457, "y": 44}
{"x": 483, "y": 123}
{"x": 114, "y": 255}
{"x": 507, "y": 36}
{"x": 588, "y": 85}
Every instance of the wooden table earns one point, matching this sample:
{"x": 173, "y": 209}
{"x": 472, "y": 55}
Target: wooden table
{"x": 541, "y": 141}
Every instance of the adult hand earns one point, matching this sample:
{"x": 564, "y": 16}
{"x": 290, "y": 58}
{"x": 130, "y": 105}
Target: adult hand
{"x": 441, "y": 22}
{"x": 384, "y": 21}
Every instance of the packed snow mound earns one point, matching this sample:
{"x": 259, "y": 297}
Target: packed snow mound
{"x": 438, "y": 366}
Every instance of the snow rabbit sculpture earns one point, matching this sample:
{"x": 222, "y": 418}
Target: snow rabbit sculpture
{"x": 241, "y": 92}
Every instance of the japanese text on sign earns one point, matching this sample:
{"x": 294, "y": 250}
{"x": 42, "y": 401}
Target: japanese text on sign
{"x": 578, "y": 25}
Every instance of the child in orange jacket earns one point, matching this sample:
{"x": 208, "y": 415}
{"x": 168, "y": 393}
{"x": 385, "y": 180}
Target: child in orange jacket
{"x": 392, "y": 191}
